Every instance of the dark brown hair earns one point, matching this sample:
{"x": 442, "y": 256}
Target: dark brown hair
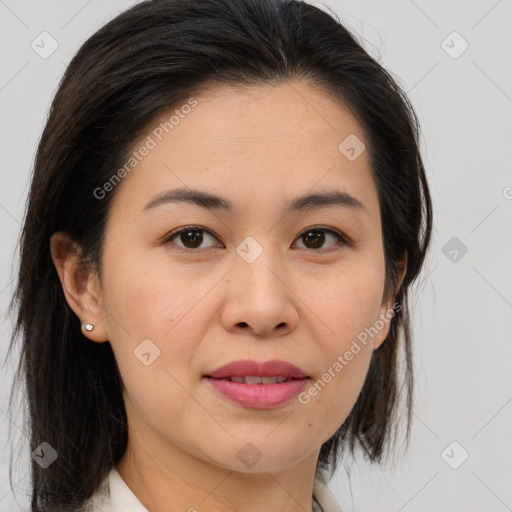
{"x": 148, "y": 59}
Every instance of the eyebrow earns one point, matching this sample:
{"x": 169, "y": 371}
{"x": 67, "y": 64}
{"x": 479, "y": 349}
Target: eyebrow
{"x": 213, "y": 202}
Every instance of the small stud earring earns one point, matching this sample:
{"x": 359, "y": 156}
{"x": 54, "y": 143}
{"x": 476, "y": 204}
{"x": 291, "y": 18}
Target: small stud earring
{"x": 89, "y": 327}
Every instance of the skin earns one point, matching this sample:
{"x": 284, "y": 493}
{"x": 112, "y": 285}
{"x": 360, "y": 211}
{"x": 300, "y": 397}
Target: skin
{"x": 258, "y": 147}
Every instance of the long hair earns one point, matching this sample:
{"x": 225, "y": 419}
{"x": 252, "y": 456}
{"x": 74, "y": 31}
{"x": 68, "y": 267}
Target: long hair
{"x": 151, "y": 57}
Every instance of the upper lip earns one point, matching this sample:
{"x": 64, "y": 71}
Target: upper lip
{"x": 245, "y": 367}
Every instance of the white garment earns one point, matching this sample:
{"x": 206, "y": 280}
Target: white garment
{"x": 114, "y": 495}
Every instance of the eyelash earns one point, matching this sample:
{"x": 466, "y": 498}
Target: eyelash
{"x": 341, "y": 238}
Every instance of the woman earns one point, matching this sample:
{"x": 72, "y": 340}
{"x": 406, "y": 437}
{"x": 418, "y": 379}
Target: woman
{"x": 227, "y": 211}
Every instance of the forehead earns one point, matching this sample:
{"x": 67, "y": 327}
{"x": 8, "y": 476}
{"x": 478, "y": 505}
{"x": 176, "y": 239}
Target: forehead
{"x": 252, "y": 144}
{"x": 293, "y": 118}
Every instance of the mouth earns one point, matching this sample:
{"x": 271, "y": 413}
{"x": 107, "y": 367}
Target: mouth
{"x": 255, "y": 380}
{"x": 252, "y": 372}
{"x": 258, "y": 392}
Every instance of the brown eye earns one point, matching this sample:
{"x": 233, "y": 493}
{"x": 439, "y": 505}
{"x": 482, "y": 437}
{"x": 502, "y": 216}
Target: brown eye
{"x": 315, "y": 238}
{"x": 190, "y": 237}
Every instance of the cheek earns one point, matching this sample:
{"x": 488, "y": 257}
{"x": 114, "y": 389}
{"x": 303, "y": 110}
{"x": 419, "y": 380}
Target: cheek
{"x": 349, "y": 307}
{"x": 155, "y": 344}
{"x": 144, "y": 310}
{"x": 347, "y": 303}
{"x": 332, "y": 395}
{"x": 152, "y": 299}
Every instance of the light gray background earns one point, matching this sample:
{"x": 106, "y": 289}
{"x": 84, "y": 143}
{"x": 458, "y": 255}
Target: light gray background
{"x": 463, "y": 320}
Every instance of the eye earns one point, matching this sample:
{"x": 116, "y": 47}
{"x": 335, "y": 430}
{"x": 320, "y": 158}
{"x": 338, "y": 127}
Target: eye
{"x": 191, "y": 237}
{"x": 316, "y": 237}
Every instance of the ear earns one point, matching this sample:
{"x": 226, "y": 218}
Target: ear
{"x": 80, "y": 285}
{"x": 387, "y": 309}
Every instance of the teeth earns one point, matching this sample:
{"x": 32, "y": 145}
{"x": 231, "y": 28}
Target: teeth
{"x": 249, "y": 379}
{"x": 252, "y": 380}
{"x": 273, "y": 380}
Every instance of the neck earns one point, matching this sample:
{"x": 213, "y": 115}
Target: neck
{"x": 181, "y": 482}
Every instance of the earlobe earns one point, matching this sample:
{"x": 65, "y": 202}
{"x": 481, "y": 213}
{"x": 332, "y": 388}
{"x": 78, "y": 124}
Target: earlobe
{"x": 382, "y": 325}
{"x": 387, "y": 311}
{"x": 79, "y": 286}
{"x": 402, "y": 269}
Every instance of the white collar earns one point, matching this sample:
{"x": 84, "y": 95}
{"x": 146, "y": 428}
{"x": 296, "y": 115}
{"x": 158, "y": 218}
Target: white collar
{"x": 114, "y": 495}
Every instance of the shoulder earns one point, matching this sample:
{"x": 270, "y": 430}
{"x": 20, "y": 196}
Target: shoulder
{"x": 323, "y": 495}
{"x": 113, "y": 495}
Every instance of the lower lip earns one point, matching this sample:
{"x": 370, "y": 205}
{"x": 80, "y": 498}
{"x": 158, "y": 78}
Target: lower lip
{"x": 259, "y": 396}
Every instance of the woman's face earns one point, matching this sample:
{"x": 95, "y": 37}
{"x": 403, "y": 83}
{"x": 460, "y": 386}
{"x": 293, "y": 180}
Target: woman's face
{"x": 259, "y": 280}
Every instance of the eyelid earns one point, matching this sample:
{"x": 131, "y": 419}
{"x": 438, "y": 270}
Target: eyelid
{"x": 177, "y": 231}
{"x": 342, "y": 238}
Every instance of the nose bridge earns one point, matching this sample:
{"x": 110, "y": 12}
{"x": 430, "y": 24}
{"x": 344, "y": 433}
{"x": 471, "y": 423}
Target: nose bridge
{"x": 258, "y": 263}
{"x": 258, "y": 297}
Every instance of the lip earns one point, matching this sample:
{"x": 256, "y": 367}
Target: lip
{"x": 271, "y": 368}
{"x": 258, "y": 396}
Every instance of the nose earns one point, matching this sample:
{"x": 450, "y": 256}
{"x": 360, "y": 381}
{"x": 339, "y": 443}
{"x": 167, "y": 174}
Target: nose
{"x": 260, "y": 298}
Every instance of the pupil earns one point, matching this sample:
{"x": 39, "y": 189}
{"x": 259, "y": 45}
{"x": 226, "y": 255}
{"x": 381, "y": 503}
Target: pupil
{"x": 316, "y": 236}
{"x": 192, "y": 236}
